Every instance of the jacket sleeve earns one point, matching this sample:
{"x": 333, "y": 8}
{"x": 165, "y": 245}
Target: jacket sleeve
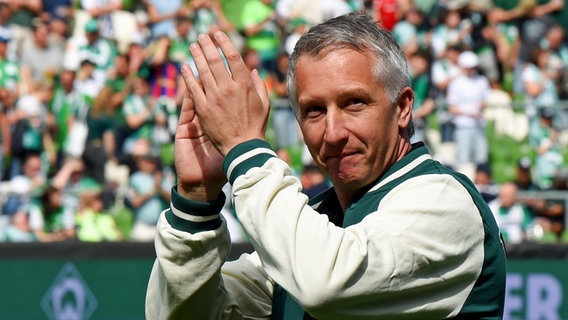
{"x": 421, "y": 251}
{"x": 191, "y": 279}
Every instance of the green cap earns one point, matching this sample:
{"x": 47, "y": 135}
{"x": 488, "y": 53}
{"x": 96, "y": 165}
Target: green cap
{"x": 299, "y": 21}
{"x": 89, "y": 185}
{"x": 91, "y": 26}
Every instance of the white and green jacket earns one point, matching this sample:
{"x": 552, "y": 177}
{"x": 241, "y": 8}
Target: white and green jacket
{"x": 419, "y": 244}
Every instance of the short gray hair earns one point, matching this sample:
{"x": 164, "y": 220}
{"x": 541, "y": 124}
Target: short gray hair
{"x": 357, "y": 31}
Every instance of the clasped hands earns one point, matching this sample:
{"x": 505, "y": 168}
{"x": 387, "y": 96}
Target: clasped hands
{"x": 226, "y": 105}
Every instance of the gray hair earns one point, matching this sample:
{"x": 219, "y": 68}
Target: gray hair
{"x": 357, "y": 31}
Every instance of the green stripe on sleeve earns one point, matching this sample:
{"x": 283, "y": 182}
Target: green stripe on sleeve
{"x": 194, "y": 216}
{"x": 247, "y": 155}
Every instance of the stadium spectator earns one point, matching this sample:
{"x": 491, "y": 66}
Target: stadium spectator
{"x": 555, "y": 44}
{"x": 10, "y": 75}
{"x": 506, "y": 41}
{"x": 424, "y": 104}
{"x": 117, "y": 88}
{"x": 524, "y": 182}
{"x": 165, "y": 77}
{"x": 49, "y": 220}
{"x": 138, "y": 112}
{"x": 313, "y": 180}
{"x": 18, "y": 229}
{"x": 543, "y": 138}
{"x": 24, "y": 187}
{"x": 262, "y": 31}
{"x": 539, "y": 83}
{"x": 208, "y": 16}
{"x": 467, "y": 99}
{"x": 5, "y": 15}
{"x": 70, "y": 179}
{"x": 452, "y": 31}
{"x": 297, "y": 27}
{"x": 102, "y": 10}
{"x": 23, "y": 13}
{"x": 162, "y": 15}
{"x": 41, "y": 61}
{"x": 100, "y": 143}
{"x": 483, "y": 180}
{"x": 93, "y": 223}
{"x": 482, "y": 37}
{"x": 512, "y": 217}
{"x": 142, "y": 34}
{"x": 523, "y": 175}
{"x": 551, "y": 210}
{"x": 69, "y": 108}
{"x": 444, "y": 70}
{"x": 88, "y": 83}
{"x": 349, "y": 84}
{"x": 31, "y": 132}
{"x": 149, "y": 194}
{"x": 283, "y": 119}
{"x": 411, "y": 32}
{"x": 556, "y": 207}
{"x": 93, "y": 47}
{"x": 533, "y": 20}
{"x": 61, "y": 10}
{"x": 174, "y": 47}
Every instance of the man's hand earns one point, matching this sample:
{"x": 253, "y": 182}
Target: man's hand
{"x": 232, "y": 107}
{"x": 198, "y": 163}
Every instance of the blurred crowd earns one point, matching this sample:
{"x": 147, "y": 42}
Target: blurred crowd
{"x": 90, "y": 92}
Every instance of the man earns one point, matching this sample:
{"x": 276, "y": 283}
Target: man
{"x": 398, "y": 235}
{"x": 102, "y": 11}
{"x": 512, "y": 216}
{"x": 467, "y": 99}
{"x": 91, "y": 46}
{"x": 260, "y": 26}
{"x": 42, "y": 61}
{"x": 544, "y": 140}
{"x": 10, "y": 71}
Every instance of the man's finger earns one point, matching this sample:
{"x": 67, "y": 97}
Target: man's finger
{"x": 214, "y": 58}
{"x": 205, "y": 75}
{"x": 194, "y": 87}
{"x": 260, "y": 87}
{"x": 187, "y": 108}
{"x": 236, "y": 64}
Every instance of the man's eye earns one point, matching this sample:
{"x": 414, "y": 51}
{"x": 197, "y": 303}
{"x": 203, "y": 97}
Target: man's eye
{"x": 354, "y": 103}
{"x": 312, "y": 112}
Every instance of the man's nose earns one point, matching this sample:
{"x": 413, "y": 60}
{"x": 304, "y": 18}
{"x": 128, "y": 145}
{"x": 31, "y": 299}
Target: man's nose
{"x": 335, "y": 130}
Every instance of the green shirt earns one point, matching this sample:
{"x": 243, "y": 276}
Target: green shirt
{"x": 267, "y": 41}
{"x": 9, "y": 74}
{"x": 102, "y": 53}
{"x": 95, "y": 226}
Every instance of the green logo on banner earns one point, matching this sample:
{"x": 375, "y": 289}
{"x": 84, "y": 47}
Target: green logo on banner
{"x": 69, "y": 296}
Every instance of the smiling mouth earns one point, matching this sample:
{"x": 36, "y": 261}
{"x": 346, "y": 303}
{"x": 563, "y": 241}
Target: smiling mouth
{"x": 339, "y": 156}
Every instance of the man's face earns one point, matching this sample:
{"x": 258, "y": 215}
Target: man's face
{"x": 348, "y": 122}
{"x": 41, "y": 35}
{"x": 121, "y": 66}
{"x": 92, "y": 37}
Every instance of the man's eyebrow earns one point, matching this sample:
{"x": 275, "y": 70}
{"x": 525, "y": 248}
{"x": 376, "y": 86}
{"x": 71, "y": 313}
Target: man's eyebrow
{"x": 302, "y": 101}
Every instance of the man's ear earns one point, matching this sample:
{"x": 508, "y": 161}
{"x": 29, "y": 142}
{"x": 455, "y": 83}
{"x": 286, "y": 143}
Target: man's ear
{"x": 405, "y": 103}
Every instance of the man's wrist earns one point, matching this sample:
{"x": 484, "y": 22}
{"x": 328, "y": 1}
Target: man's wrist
{"x": 199, "y": 192}
{"x": 194, "y": 216}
